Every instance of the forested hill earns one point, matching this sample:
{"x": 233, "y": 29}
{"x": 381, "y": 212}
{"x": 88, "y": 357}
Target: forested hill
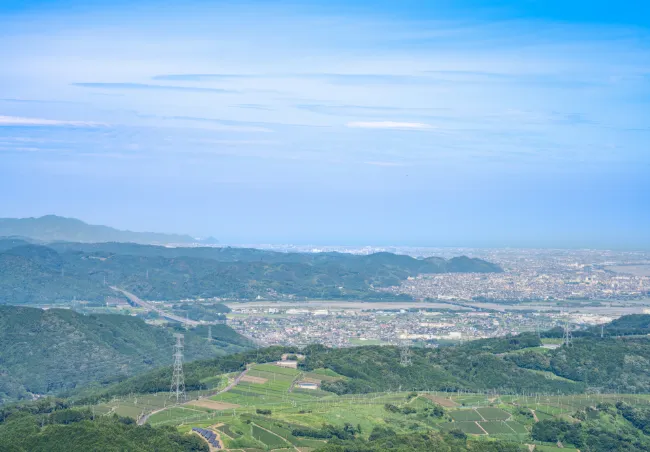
{"x": 52, "y": 228}
{"x": 58, "y": 272}
{"x": 50, "y": 351}
{"x": 507, "y": 365}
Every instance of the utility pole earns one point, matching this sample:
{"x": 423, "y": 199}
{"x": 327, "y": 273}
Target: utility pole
{"x": 602, "y": 331}
{"x": 405, "y": 354}
{"x": 210, "y": 335}
{"x": 178, "y": 379}
{"x": 567, "y": 333}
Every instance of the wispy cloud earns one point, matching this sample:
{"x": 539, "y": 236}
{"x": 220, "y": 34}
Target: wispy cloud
{"x": 203, "y": 77}
{"x": 238, "y": 142}
{"x": 221, "y": 124}
{"x": 389, "y": 125}
{"x": 337, "y": 78}
{"x": 38, "y": 101}
{"x": 425, "y": 77}
{"x": 388, "y": 164}
{"x": 149, "y": 87}
{"x": 21, "y": 121}
{"x": 254, "y": 107}
{"x": 369, "y": 110}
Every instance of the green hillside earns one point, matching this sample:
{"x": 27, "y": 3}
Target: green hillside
{"x": 474, "y": 397}
{"x": 513, "y": 364}
{"x": 51, "y": 426}
{"x": 60, "y": 272}
{"x": 45, "y": 352}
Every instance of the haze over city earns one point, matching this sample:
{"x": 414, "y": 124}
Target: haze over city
{"x": 488, "y": 124}
{"x": 325, "y": 226}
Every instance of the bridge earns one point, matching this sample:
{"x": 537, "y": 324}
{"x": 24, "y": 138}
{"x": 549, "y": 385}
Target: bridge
{"x": 152, "y": 307}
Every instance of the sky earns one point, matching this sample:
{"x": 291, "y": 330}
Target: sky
{"x": 471, "y": 123}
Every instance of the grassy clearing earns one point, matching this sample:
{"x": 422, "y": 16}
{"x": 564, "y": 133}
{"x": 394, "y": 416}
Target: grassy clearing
{"x": 497, "y": 428}
{"x": 326, "y": 373}
{"x": 268, "y": 438}
{"x": 465, "y": 415}
{"x": 468, "y": 427}
{"x": 307, "y": 408}
{"x": 517, "y": 427}
{"x": 493, "y": 414}
{"x": 225, "y": 428}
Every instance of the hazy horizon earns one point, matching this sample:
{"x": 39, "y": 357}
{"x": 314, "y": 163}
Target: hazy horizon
{"x": 473, "y": 124}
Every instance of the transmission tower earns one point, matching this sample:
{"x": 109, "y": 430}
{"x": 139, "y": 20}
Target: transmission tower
{"x": 567, "y": 333}
{"x": 178, "y": 379}
{"x": 209, "y": 333}
{"x": 404, "y": 353}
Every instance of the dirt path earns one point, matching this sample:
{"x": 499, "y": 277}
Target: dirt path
{"x": 442, "y": 401}
{"x": 534, "y": 415}
{"x": 273, "y": 433}
{"x": 479, "y": 426}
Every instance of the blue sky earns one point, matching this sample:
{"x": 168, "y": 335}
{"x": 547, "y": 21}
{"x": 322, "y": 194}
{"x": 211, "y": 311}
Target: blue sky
{"x": 464, "y": 123}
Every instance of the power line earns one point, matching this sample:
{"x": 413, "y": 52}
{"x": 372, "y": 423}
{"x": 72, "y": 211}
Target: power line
{"x": 178, "y": 379}
{"x": 405, "y": 353}
{"x": 567, "y": 333}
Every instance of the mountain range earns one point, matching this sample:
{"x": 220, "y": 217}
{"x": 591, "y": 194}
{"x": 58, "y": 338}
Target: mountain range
{"x": 52, "y": 228}
{"x": 62, "y": 271}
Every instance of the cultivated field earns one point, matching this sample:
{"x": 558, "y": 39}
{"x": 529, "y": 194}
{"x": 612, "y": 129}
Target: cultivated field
{"x": 264, "y": 410}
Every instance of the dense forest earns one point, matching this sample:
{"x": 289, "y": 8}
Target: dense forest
{"x": 60, "y": 272}
{"x": 45, "y": 352}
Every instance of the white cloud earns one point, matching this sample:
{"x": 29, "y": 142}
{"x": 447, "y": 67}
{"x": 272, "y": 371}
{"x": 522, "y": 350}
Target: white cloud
{"x": 389, "y": 125}
{"x": 21, "y": 121}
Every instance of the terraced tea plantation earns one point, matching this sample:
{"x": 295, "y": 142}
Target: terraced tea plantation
{"x": 267, "y": 410}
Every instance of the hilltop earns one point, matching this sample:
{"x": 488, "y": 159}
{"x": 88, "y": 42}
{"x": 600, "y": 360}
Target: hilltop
{"x": 59, "y": 272}
{"x": 50, "y": 351}
{"x": 52, "y": 228}
{"x": 473, "y": 397}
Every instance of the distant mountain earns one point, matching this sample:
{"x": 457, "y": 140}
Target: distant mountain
{"x": 60, "y": 272}
{"x": 52, "y": 228}
{"x": 45, "y": 352}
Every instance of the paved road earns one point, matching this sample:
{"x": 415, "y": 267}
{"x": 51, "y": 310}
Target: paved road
{"x": 145, "y": 304}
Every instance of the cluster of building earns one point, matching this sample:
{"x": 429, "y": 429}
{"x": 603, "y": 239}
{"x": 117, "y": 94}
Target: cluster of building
{"x": 542, "y": 275}
{"x": 345, "y": 328}
{"x": 581, "y": 284}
